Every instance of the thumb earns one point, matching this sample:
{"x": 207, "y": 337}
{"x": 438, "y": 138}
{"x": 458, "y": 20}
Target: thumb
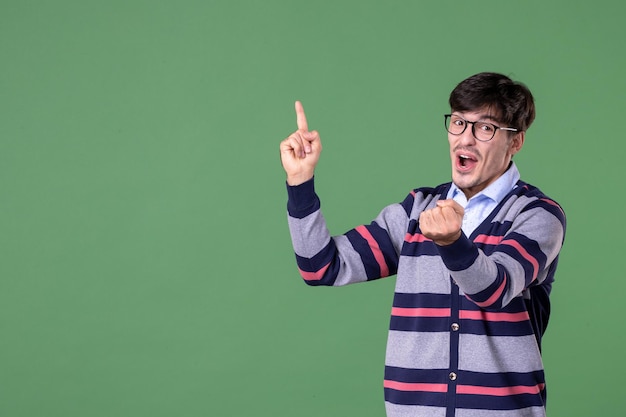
{"x": 458, "y": 209}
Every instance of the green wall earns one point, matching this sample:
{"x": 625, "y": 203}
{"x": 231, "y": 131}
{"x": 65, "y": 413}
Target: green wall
{"x": 146, "y": 266}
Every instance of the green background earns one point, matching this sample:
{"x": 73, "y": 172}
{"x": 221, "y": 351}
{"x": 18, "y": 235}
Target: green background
{"x": 146, "y": 267}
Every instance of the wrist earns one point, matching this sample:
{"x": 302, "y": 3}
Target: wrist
{"x": 293, "y": 180}
{"x": 448, "y": 240}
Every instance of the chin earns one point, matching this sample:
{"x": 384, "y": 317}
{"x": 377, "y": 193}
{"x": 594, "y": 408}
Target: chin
{"x": 461, "y": 180}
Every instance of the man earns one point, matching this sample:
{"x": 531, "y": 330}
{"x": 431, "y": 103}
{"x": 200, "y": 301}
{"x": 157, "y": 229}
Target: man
{"x": 475, "y": 261}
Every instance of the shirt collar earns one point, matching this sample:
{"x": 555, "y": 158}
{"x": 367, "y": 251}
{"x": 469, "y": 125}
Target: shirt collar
{"x": 497, "y": 190}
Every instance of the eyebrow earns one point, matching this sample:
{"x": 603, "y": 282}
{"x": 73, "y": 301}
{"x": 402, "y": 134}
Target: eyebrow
{"x": 483, "y": 118}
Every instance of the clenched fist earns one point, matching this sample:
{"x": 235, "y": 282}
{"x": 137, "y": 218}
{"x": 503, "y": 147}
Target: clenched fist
{"x": 442, "y": 224}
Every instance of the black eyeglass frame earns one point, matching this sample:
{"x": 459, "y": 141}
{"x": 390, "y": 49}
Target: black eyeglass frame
{"x": 495, "y": 128}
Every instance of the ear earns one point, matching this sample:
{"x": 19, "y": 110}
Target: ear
{"x": 517, "y": 142}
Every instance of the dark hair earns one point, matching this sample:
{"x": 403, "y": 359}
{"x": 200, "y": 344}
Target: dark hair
{"x": 508, "y": 101}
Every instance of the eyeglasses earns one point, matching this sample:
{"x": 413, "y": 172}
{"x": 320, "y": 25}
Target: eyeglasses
{"x": 482, "y": 131}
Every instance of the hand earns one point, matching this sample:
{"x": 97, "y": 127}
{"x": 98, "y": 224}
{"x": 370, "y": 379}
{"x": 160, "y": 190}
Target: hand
{"x": 442, "y": 224}
{"x": 300, "y": 152}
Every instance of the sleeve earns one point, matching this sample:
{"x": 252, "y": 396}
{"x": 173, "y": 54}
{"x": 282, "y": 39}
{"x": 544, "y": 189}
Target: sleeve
{"x": 526, "y": 255}
{"x": 364, "y": 253}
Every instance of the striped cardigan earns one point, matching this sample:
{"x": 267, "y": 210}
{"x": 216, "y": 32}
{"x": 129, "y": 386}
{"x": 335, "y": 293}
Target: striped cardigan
{"x": 467, "y": 319}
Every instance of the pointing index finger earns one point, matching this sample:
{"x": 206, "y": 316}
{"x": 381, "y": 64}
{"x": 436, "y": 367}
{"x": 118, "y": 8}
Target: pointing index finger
{"x": 301, "y": 118}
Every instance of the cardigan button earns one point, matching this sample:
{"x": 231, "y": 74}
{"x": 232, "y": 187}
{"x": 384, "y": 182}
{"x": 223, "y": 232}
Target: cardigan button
{"x": 453, "y": 376}
{"x": 455, "y": 327}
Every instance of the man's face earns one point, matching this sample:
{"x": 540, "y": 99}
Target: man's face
{"x": 477, "y": 164}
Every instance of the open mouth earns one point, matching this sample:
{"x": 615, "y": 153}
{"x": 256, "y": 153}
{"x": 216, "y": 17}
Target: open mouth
{"x": 466, "y": 162}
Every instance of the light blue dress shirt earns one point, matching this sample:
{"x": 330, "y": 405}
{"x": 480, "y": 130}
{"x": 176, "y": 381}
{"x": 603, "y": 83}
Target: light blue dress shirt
{"x": 479, "y": 206}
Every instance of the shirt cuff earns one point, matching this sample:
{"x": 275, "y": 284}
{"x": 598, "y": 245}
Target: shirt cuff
{"x": 459, "y": 255}
{"x": 302, "y": 199}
